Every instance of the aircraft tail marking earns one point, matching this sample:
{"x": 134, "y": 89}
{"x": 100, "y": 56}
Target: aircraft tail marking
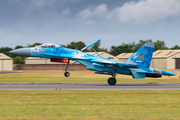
{"x": 142, "y": 57}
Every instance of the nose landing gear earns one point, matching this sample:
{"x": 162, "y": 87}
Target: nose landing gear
{"x": 67, "y": 74}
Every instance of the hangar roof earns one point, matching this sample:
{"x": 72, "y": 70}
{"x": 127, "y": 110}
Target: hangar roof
{"x": 95, "y": 54}
{"x": 4, "y": 57}
{"x": 91, "y": 53}
{"x": 103, "y": 54}
{"x": 124, "y": 55}
{"x": 165, "y": 53}
{"x": 156, "y": 54}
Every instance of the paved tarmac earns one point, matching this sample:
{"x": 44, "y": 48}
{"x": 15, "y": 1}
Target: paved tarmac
{"x": 3, "y": 72}
{"x": 86, "y": 86}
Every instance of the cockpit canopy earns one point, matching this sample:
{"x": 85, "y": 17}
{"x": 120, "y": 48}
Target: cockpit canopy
{"x": 49, "y": 45}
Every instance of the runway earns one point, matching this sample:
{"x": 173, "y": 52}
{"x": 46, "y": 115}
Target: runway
{"x": 86, "y": 86}
{"x": 48, "y": 71}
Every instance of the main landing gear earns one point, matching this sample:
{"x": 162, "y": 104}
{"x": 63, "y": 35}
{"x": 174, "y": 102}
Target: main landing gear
{"x": 67, "y": 74}
{"x": 112, "y": 80}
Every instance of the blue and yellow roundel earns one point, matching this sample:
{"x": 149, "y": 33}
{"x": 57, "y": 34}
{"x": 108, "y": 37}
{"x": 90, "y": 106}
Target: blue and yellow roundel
{"x": 141, "y": 56}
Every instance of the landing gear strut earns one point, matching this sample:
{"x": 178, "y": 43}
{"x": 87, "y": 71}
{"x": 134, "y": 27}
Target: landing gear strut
{"x": 67, "y": 74}
{"x": 112, "y": 80}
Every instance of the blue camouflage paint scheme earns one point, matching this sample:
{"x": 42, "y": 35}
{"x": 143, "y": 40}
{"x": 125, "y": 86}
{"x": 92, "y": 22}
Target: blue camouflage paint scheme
{"x": 137, "y": 65}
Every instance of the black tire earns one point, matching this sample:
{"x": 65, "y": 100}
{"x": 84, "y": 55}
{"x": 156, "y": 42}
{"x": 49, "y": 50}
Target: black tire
{"x": 66, "y": 74}
{"x": 112, "y": 81}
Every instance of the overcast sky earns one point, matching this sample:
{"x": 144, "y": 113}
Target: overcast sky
{"x": 25, "y": 22}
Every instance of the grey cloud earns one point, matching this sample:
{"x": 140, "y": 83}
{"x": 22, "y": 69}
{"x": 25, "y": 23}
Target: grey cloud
{"x": 62, "y": 21}
{"x": 148, "y": 10}
{"x": 99, "y": 11}
{"x": 67, "y": 11}
{"x": 141, "y": 11}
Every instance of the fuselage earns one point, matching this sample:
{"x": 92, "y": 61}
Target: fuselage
{"x": 94, "y": 63}
{"x": 137, "y": 65}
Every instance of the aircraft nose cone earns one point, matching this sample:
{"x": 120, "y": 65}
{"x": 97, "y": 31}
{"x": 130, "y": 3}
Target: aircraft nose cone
{"x": 25, "y": 52}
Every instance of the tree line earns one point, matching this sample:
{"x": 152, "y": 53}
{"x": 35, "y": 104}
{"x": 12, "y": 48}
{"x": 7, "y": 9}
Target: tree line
{"x": 114, "y": 50}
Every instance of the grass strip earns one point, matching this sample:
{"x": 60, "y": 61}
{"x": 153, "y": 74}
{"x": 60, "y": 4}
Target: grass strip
{"x": 90, "y": 104}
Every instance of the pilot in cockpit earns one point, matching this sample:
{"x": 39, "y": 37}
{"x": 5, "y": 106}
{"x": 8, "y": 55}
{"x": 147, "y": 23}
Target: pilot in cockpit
{"x": 49, "y": 45}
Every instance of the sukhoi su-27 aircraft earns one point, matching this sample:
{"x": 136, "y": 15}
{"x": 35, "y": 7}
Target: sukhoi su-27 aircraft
{"x": 137, "y": 65}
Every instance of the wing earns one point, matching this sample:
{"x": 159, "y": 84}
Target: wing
{"x": 111, "y": 63}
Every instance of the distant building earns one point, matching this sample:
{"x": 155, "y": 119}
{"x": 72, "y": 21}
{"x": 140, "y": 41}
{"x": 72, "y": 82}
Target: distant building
{"x": 123, "y": 56}
{"x": 6, "y": 63}
{"x": 162, "y": 59}
{"x": 166, "y": 59}
{"x": 36, "y": 60}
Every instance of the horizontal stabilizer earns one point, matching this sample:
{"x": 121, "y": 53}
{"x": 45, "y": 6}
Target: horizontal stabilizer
{"x": 136, "y": 74}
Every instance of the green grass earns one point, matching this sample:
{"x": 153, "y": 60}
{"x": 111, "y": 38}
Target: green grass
{"x": 90, "y": 104}
{"x": 76, "y": 77}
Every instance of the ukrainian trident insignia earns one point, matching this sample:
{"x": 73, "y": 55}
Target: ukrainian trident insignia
{"x": 141, "y": 56}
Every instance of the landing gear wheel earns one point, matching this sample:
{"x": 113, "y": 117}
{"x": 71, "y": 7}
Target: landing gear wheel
{"x": 66, "y": 74}
{"x": 111, "y": 81}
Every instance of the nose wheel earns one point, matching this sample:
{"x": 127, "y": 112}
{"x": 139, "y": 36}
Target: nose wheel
{"x": 66, "y": 74}
{"x": 112, "y": 81}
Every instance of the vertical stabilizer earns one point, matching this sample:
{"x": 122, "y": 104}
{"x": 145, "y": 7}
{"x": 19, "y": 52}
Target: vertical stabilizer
{"x": 142, "y": 57}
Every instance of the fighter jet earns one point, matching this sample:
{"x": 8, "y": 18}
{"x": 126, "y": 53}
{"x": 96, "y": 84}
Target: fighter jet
{"x": 137, "y": 65}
